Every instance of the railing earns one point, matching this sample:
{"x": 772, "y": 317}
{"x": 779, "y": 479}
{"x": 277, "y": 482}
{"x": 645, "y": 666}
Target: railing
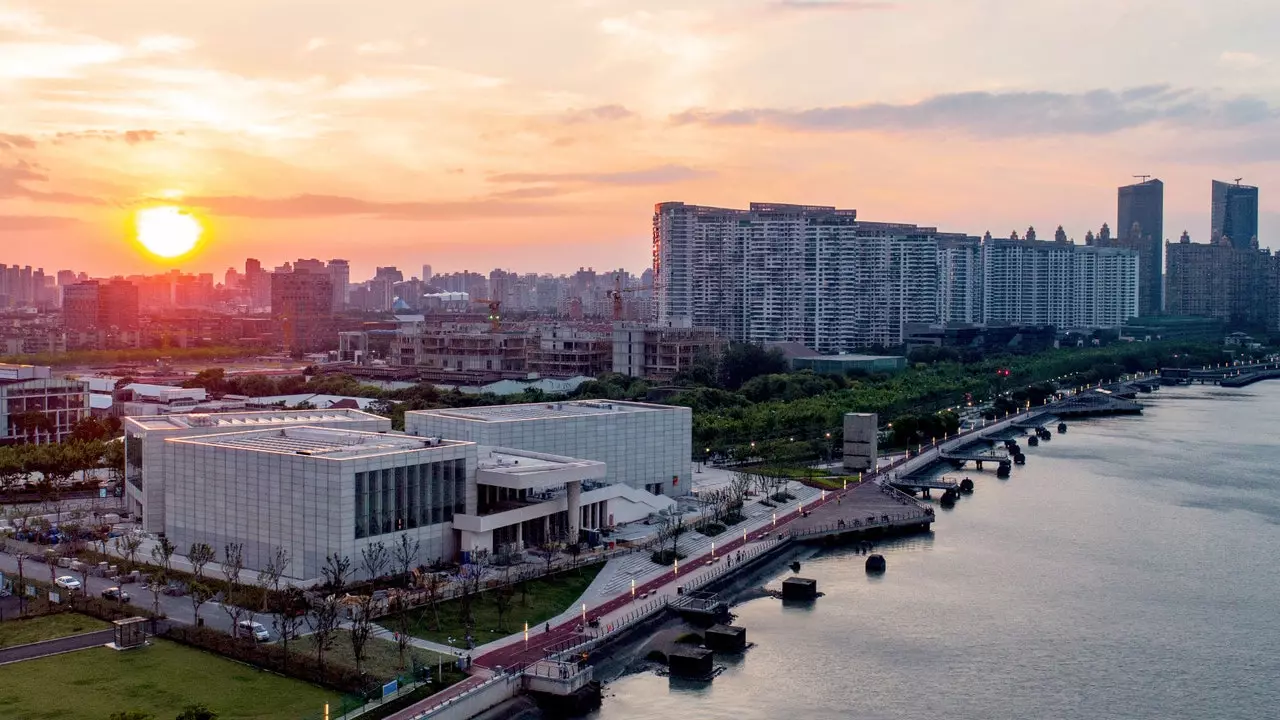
{"x": 879, "y": 521}
{"x": 508, "y": 675}
{"x": 597, "y": 635}
{"x": 716, "y": 573}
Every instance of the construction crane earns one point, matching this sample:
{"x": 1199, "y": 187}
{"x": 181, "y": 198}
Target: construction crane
{"x": 495, "y": 317}
{"x": 616, "y": 294}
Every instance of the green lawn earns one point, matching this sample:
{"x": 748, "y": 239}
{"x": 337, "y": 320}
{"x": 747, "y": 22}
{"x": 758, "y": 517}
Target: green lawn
{"x": 160, "y": 679}
{"x": 47, "y": 627}
{"x": 547, "y": 598}
{"x": 382, "y": 657}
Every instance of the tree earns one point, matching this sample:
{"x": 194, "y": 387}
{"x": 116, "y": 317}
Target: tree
{"x": 335, "y": 570}
{"x": 290, "y": 608}
{"x": 199, "y": 555}
{"x": 232, "y": 566}
{"x": 502, "y": 596}
{"x": 13, "y": 468}
{"x": 197, "y": 712}
{"x": 550, "y": 547}
{"x": 374, "y": 560}
{"x": 163, "y": 552}
{"x": 575, "y": 551}
{"x": 402, "y": 628}
{"x": 323, "y": 620}
{"x": 131, "y": 715}
{"x": 434, "y": 585}
{"x": 361, "y": 629}
{"x": 270, "y": 574}
{"x": 127, "y": 546}
{"x": 405, "y": 554}
{"x": 200, "y": 594}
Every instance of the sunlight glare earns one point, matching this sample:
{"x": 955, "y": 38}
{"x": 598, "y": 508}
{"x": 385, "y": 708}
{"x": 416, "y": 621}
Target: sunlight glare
{"x": 167, "y": 231}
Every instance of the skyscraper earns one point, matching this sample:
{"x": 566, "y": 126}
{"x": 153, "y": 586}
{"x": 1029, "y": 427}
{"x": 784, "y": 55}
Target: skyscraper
{"x": 303, "y": 301}
{"x": 1140, "y": 211}
{"x": 1235, "y": 214}
{"x": 340, "y": 274}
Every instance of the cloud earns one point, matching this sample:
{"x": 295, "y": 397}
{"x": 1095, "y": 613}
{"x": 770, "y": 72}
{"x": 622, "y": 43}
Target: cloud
{"x": 986, "y": 114}
{"x": 131, "y": 137}
{"x": 15, "y": 180}
{"x": 165, "y": 44}
{"x": 650, "y": 176}
{"x": 602, "y": 113}
{"x": 13, "y": 142}
{"x": 829, "y": 5}
{"x": 317, "y": 206}
{"x": 315, "y": 43}
{"x": 379, "y": 47}
{"x": 24, "y": 223}
{"x": 1241, "y": 60}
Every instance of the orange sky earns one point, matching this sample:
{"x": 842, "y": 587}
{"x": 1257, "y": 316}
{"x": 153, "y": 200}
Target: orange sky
{"x": 538, "y": 135}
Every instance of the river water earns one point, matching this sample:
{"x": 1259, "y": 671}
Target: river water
{"x": 1131, "y": 569}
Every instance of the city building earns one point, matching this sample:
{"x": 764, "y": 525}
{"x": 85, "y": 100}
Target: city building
{"x": 564, "y": 352}
{"x": 960, "y": 280}
{"x": 460, "y": 348}
{"x": 1224, "y": 281}
{"x": 340, "y": 274}
{"x": 983, "y": 338}
{"x": 1140, "y": 213}
{"x": 647, "y": 447}
{"x": 1072, "y": 287}
{"x": 36, "y": 407}
{"x": 80, "y": 306}
{"x": 815, "y": 275}
{"x": 314, "y": 491}
{"x": 659, "y": 352}
{"x": 1235, "y": 214}
{"x": 145, "y": 469}
{"x": 303, "y": 302}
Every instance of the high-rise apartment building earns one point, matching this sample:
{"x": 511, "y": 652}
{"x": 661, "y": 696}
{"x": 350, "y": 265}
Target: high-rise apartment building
{"x": 1060, "y": 284}
{"x": 799, "y": 273}
{"x": 303, "y": 302}
{"x": 340, "y": 274}
{"x": 1235, "y": 214}
{"x": 118, "y": 305}
{"x": 960, "y": 281}
{"x": 1238, "y": 285}
{"x": 1140, "y": 212}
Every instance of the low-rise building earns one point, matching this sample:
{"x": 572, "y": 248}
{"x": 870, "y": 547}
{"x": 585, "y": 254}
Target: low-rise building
{"x": 145, "y": 491}
{"x": 37, "y": 407}
{"x": 460, "y": 349}
{"x": 565, "y": 352}
{"x": 843, "y": 364}
{"x": 659, "y": 352}
{"x": 645, "y": 446}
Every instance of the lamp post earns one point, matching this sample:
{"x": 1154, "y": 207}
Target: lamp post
{"x": 633, "y": 588}
{"x": 584, "y": 614}
{"x": 676, "y": 567}
{"x": 775, "y": 519}
{"x": 526, "y": 634}
{"x": 713, "y": 548}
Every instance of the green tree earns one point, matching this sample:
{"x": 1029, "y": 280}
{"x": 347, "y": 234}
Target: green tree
{"x": 132, "y": 715}
{"x": 197, "y": 712}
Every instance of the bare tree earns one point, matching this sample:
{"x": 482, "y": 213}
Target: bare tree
{"x": 502, "y": 596}
{"x": 163, "y": 552}
{"x": 21, "y": 589}
{"x": 270, "y": 574}
{"x": 374, "y": 560}
{"x": 232, "y": 566}
{"x": 361, "y": 629}
{"x": 678, "y": 528}
{"x": 405, "y": 554}
{"x": 200, "y": 594}
{"x": 323, "y": 620}
{"x": 290, "y": 606}
{"x": 128, "y": 545}
{"x": 335, "y": 570}
{"x": 550, "y": 547}
{"x": 199, "y": 555}
{"x": 402, "y": 628}
{"x": 434, "y": 584}
{"x": 575, "y": 551}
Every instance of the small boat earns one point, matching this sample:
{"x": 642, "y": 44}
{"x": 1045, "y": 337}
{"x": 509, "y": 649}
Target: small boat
{"x": 1033, "y": 441}
{"x": 1062, "y": 428}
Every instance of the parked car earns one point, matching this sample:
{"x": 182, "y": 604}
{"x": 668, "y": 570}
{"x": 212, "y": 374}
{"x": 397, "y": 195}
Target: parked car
{"x": 255, "y": 630}
{"x": 115, "y": 593}
{"x": 67, "y": 582}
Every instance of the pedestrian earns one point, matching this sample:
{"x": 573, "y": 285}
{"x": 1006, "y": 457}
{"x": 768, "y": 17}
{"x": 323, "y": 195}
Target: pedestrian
{"x": 548, "y": 627}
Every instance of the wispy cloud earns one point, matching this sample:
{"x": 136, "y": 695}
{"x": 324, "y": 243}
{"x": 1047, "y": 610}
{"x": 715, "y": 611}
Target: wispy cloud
{"x": 1241, "y": 60}
{"x": 24, "y": 223}
{"x": 16, "y": 181}
{"x": 830, "y": 5}
{"x": 315, "y": 43}
{"x": 318, "y": 206}
{"x": 10, "y": 142}
{"x": 130, "y": 137}
{"x": 650, "y": 176}
{"x": 986, "y": 114}
{"x": 380, "y": 47}
{"x": 602, "y": 113}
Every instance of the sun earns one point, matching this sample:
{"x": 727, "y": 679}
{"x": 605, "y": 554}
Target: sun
{"x": 167, "y": 231}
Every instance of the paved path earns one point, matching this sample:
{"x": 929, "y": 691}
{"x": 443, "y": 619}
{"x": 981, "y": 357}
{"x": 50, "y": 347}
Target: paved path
{"x": 441, "y": 697}
{"x": 56, "y": 646}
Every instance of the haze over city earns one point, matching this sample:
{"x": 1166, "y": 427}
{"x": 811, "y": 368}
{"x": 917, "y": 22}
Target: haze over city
{"x": 539, "y": 136}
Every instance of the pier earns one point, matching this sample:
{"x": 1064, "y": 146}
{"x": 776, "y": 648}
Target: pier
{"x": 868, "y": 509}
{"x": 959, "y": 457}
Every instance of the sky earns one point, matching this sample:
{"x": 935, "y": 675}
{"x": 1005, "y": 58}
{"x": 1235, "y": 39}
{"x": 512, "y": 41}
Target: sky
{"x": 537, "y": 136}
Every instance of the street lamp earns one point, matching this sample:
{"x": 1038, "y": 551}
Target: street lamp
{"x": 633, "y": 588}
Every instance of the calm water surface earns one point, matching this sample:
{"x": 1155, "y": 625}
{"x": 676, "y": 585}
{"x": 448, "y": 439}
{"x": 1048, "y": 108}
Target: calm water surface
{"x": 1131, "y": 569}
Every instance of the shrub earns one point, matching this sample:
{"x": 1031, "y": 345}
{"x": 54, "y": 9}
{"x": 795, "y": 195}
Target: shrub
{"x": 666, "y": 557}
{"x": 270, "y": 657}
{"x": 689, "y": 638}
{"x": 712, "y": 529}
{"x": 656, "y": 656}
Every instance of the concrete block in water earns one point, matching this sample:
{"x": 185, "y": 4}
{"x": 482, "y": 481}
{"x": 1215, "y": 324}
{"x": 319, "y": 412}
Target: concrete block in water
{"x": 726, "y": 638}
{"x": 798, "y": 588}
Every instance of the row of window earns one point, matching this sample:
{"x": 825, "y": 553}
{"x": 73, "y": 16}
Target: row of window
{"x": 395, "y": 499}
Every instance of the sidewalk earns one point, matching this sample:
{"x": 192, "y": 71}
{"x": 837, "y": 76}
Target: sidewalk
{"x": 56, "y": 646}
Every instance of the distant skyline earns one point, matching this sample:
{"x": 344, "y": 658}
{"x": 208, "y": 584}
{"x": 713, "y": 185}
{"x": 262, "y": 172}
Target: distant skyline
{"x": 538, "y": 136}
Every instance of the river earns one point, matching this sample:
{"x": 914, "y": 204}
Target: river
{"x": 1131, "y": 569}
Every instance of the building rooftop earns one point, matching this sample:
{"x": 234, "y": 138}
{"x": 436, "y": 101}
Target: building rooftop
{"x": 527, "y": 470}
{"x": 544, "y": 411}
{"x": 235, "y": 420}
{"x": 328, "y": 443}
{"x": 850, "y": 357}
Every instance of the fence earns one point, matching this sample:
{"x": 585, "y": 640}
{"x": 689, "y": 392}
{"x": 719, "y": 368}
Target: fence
{"x": 872, "y": 522}
{"x": 509, "y": 679}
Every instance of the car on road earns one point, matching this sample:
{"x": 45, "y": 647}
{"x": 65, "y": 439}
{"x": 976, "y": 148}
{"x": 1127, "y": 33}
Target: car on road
{"x": 255, "y": 630}
{"x": 115, "y": 593}
{"x": 67, "y": 582}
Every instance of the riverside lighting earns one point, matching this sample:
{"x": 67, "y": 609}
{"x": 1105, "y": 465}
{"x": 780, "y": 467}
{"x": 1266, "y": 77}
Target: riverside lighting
{"x": 675, "y": 569}
{"x": 633, "y": 588}
{"x": 775, "y": 519}
{"x": 713, "y": 548}
{"x": 584, "y": 613}
{"x": 526, "y": 634}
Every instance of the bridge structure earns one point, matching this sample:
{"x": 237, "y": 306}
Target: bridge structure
{"x": 960, "y": 457}
{"x": 1216, "y": 375}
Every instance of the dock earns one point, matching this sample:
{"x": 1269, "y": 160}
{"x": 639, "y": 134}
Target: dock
{"x": 867, "y": 509}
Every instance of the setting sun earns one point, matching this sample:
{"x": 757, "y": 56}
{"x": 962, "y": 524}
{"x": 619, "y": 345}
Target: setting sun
{"x": 167, "y": 231}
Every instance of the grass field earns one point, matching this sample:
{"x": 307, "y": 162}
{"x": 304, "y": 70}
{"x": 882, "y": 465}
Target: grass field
{"x": 160, "y": 679}
{"x": 547, "y": 598}
{"x": 48, "y": 627}
{"x": 382, "y": 657}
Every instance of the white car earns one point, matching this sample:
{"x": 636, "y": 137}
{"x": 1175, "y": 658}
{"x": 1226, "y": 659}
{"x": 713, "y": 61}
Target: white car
{"x": 255, "y": 630}
{"x": 67, "y": 582}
